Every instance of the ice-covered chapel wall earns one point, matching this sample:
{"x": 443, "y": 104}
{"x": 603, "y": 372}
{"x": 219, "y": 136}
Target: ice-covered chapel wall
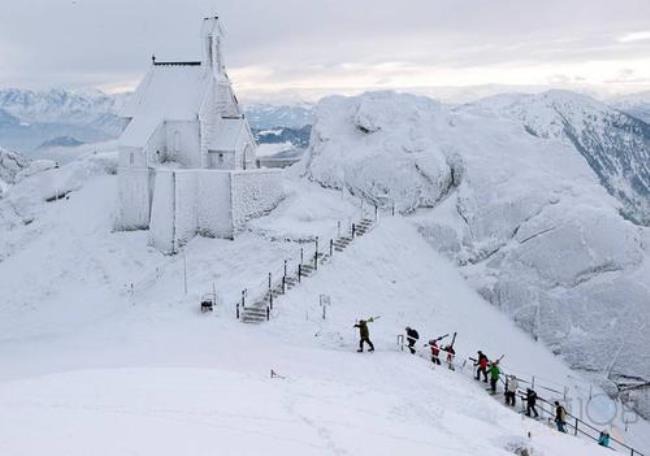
{"x": 212, "y": 203}
{"x": 161, "y": 230}
{"x": 133, "y": 199}
{"x": 185, "y": 205}
{"x": 183, "y": 144}
{"x": 254, "y": 193}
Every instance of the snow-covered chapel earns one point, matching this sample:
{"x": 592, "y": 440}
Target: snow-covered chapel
{"x": 187, "y": 160}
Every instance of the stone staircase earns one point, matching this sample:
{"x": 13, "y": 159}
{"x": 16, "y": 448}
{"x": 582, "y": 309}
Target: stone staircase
{"x": 260, "y": 310}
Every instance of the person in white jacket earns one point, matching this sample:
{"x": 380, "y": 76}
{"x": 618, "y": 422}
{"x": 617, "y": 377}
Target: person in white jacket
{"x": 511, "y": 390}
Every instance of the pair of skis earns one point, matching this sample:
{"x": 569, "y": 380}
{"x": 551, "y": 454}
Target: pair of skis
{"x": 453, "y": 340}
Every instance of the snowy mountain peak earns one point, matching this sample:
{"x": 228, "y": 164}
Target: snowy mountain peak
{"x": 58, "y": 105}
{"x": 615, "y": 145}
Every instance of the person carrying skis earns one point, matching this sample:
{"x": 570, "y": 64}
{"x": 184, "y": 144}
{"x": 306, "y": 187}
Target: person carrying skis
{"x": 435, "y": 352}
{"x": 451, "y": 353}
{"x": 531, "y": 399}
{"x": 482, "y": 363}
{"x": 494, "y": 375}
{"x": 511, "y": 390}
{"x": 560, "y": 417}
{"x": 603, "y": 439}
{"x": 412, "y": 337}
{"x": 364, "y": 334}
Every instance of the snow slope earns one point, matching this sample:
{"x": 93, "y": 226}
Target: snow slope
{"x": 614, "y": 144}
{"x": 91, "y": 365}
{"x": 525, "y": 217}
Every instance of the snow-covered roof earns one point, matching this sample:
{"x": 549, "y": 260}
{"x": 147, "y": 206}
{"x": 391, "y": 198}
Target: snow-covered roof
{"x": 168, "y": 92}
{"x": 230, "y": 130}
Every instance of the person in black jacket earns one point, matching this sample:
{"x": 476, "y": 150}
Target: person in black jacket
{"x": 412, "y": 337}
{"x": 364, "y": 334}
{"x": 531, "y": 399}
{"x": 560, "y": 417}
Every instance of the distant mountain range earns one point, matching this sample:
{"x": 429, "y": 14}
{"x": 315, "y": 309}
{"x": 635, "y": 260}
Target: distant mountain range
{"x": 31, "y": 120}
{"x": 28, "y": 118}
{"x": 298, "y": 137}
{"x": 264, "y": 116}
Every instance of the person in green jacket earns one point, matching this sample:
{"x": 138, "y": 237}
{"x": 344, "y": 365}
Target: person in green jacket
{"x": 364, "y": 334}
{"x": 494, "y": 375}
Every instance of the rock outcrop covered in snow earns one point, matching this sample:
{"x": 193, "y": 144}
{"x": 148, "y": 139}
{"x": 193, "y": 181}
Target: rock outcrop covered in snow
{"x": 529, "y": 221}
{"x": 11, "y": 164}
{"x": 382, "y": 147}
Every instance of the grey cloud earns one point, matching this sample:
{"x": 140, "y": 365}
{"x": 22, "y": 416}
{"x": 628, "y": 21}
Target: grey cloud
{"x": 94, "y": 42}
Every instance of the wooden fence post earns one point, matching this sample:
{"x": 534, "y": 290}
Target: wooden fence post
{"x": 284, "y": 278}
{"x": 331, "y": 247}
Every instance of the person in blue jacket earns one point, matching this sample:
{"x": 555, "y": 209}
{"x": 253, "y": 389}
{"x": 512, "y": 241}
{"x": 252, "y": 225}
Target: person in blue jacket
{"x": 603, "y": 440}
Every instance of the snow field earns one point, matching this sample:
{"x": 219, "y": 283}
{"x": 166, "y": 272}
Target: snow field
{"x": 89, "y": 367}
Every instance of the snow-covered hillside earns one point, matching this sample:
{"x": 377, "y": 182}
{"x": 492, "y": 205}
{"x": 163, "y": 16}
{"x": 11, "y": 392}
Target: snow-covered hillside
{"x": 614, "y": 144}
{"x": 101, "y": 345}
{"x": 524, "y": 216}
{"x": 94, "y": 365}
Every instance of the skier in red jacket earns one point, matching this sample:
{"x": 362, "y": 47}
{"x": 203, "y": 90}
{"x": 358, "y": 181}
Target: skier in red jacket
{"x": 482, "y": 364}
{"x": 435, "y": 352}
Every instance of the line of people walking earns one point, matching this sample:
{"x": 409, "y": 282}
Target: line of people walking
{"x": 484, "y": 368}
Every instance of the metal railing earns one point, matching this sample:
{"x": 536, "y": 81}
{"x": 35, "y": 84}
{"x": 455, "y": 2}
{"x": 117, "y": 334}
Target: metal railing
{"x": 577, "y": 425}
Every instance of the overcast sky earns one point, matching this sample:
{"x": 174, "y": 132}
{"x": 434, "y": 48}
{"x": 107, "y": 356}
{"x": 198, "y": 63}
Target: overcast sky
{"x": 316, "y": 46}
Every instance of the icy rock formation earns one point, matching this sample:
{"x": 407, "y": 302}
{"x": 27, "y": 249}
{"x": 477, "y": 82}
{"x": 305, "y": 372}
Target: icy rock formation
{"x": 380, "y": 146}
{"x": 11, "y": 163}
{"x": 525, "y": 216}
